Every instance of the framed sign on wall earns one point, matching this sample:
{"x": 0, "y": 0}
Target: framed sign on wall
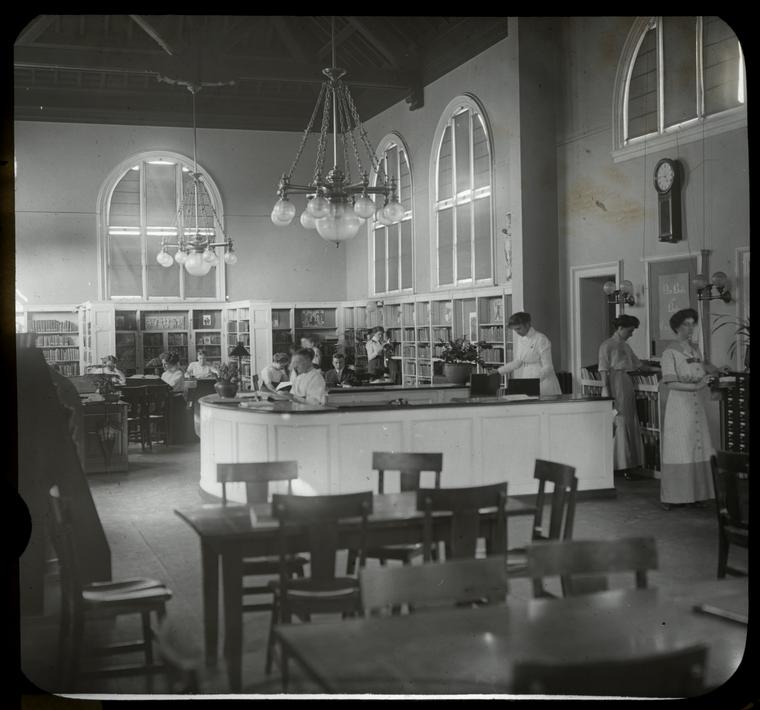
{"x": 670, "y": 290}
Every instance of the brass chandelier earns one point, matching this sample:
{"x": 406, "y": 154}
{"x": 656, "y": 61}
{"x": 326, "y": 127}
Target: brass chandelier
{"x": 336, "y": 205}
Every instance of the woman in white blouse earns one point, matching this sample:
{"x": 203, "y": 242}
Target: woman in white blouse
{"x": 173, "y": 375}
{"x": 533, "y": 355}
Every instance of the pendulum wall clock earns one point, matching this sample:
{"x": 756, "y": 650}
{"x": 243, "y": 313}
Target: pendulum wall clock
{"x": 668, "y": 176}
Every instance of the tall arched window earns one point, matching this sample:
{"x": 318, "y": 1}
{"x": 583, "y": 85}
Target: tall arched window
{"x": 462, "y": 174}
{"x": 678, "y": 78}
{"x": 139, "y": 204}
{"x": 391, "y": 254}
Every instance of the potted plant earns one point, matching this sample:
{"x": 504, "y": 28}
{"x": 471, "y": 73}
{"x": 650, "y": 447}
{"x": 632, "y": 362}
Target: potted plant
{"x": 742, "y": 330}
{"x": 105, "y": 387}
{"x": 227, "y": 380}
{"x": 460, "y": 357}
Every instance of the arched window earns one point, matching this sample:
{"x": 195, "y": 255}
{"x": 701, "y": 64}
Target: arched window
{"x": 679, "y": 78}
{"x": 391, "y": 253}
{"x": 461, "y": 175}
{"x": 139, "y": 204}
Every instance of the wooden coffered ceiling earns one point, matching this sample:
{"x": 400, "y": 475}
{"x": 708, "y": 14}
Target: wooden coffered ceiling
{"x": 256, "y": 72}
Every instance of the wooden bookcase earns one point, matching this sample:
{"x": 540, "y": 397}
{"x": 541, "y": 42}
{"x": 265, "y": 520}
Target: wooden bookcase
{"x": 734, "y": 412}
{"x": 58, "y": 336}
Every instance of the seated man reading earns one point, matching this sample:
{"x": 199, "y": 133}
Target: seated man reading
{"x": 341, "y": 374}
{"x": 309, "y": 386}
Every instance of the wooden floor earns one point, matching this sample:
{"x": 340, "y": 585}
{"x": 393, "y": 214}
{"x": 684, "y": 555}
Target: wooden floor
{"x": 148, "y": 539}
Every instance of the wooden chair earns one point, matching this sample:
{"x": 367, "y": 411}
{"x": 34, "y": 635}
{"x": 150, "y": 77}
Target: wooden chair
{"x": 730, "y": 471}
{"x": 257, "y": 477}
{"x": 463, "y": 580}
{"x": 137, "y": 420}
{"x": 464, "y": 505}
{"x": 580, "y": 562}
{"x": 100, "y": 599}
{"x": 157, "y": 414}
{"x": 322, "y": 592}
{"x": 672, "y": 674}
{"x": 410, "y": 467}
{"x": 561, "y": 515}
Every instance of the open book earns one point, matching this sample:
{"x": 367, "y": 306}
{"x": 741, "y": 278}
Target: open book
{"x": 284, "y": 386}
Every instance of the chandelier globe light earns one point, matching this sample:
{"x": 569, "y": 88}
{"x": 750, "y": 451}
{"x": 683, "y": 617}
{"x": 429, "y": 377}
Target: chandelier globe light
{"x": 197, "y": 223}
{"x": 337, "y": 205}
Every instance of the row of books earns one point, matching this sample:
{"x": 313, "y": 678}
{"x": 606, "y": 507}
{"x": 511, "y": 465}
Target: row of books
{"x": 651, "y": 442}
{"x": 423, "y": 369}
{"x": 46, "y": 341}
{"x": 648, "y": 409}
{"x": 61, "y": 354}
{"x": 587, "y": 374}
{"x": 68, "y": 369}
{"x": 51, "y": 325}
{"x": 492, "y": 355}
{"x": 423, "y": 333}
{"x": 408, "y": 351}
{"x": 492, "y": 332}
{"x": 423, "y": 351}
{"x": 645, "y": 378}
{"x": 442, "y": 333}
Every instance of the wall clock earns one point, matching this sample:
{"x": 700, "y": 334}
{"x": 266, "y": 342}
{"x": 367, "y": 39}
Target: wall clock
{"x": 668, "y": 176}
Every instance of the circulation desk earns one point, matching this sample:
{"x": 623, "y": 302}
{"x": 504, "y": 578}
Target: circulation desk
{"x": 483, "y": 440}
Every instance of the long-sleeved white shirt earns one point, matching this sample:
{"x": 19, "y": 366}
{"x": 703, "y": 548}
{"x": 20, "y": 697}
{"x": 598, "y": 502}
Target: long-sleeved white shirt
{"x": 311, "y": 386}
{"x": 533, "y": 358}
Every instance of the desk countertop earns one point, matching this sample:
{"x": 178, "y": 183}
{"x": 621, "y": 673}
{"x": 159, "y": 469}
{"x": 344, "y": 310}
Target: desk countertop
{"x": 281, "y": 406}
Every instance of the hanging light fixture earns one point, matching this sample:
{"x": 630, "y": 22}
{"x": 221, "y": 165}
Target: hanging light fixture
{"x": 197, "y": 223}
{"x": 335, "y": 206}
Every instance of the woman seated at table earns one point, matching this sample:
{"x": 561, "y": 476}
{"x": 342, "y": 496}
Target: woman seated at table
{"x": 109, "y": 368}
{"x": 173, "y": 375}
{"x": 272, "y": 375}
{"x": 200, "y": 369}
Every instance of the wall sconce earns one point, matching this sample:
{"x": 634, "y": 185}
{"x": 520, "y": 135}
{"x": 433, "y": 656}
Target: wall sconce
{"x": 372, "y": 306}
{"x": 622, "y": 295}
{"x": 705, "y": 289}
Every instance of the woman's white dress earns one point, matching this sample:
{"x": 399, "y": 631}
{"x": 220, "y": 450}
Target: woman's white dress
{"x": 533, "y": 359}
{"x": 686, "y": 444}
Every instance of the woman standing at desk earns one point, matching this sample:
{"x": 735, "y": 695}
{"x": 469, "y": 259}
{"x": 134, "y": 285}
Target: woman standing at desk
{"x": 375, "y": 352}
{"x": 533, "y": 355}
{"x": 686, "y": 478}
{"x": 616, "y": 360}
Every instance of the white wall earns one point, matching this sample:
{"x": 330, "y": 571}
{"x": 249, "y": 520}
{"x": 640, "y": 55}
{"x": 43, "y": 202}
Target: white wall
{"x": 492, "y": 76}
{"x": 608, "y": 211}
{"x": 61, "y": 167}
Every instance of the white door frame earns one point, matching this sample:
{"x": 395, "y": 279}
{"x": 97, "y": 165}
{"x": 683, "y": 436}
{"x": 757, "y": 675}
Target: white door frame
{"x": 574, "y": 314}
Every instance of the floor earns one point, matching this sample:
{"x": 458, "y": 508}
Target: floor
{"x": 148, "y": 539}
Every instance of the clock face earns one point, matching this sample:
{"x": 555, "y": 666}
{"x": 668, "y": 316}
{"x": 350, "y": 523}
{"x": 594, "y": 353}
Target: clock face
{"x": 664, "y": 176}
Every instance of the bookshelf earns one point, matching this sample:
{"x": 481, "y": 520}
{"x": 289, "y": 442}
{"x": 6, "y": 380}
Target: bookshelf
{"x": 207, "y": 334}
{"x": 646, "y": 385}
{"x": 57, "y": 337}
{"x": 239, "y": 331}
{"x": 165, "y": 331}
{"x": 290, "y": 323}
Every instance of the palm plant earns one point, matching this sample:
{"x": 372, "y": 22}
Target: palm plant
{"x": 742, "y": 330}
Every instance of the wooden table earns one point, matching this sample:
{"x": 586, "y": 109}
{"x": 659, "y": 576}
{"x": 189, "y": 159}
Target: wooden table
{"x": 474, "y": 650}
{"x": 228, "y": 533}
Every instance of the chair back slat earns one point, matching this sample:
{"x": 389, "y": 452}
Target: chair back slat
{"x": 256, "y": 476}
{"x": 464, "y": 505}
{"x": 562, "y": 513}
{"x": 588, "y": 557}
{"x": 671, "y": 674}
{"x": 409, "y": 466}
{"x": 63, "y": 542}
{"x": 430, "y": 584}
{"x": 319, "y": 515}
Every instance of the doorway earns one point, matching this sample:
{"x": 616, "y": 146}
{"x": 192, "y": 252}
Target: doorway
{"x": 591, "y": 315}
{"x": 596, "y": 317}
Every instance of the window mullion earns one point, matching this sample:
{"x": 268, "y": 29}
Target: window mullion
{"x": 472, "y": 197}
{"x": 700, "y": 69}
{"x": 143, "y": 226}
{"x": 660, "y": 79}
{"x": 180, "y": 193}
{"x": 454, "y": 193}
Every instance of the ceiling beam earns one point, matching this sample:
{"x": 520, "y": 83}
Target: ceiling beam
{"x": 221, "y": 68}
{"x": 391, "y": 50}
{"x": 287, "y": 36}
{"x": 153, "y": 34}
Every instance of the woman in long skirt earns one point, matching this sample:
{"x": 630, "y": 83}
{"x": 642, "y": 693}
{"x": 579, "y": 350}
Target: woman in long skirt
{"x": 686, "y": 448}
{"x": 616, "y": 360}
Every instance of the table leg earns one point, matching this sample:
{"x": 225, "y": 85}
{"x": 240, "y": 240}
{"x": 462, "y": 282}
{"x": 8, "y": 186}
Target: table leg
{"x": 210, "y": 566}
{"x": 232, "y": 583}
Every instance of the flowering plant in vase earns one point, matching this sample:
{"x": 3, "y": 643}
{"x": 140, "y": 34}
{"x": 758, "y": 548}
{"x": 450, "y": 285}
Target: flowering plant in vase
{"x": 227, "y": 379}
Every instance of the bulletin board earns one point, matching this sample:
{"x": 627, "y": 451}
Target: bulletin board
{"x": 670, "y": 290}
